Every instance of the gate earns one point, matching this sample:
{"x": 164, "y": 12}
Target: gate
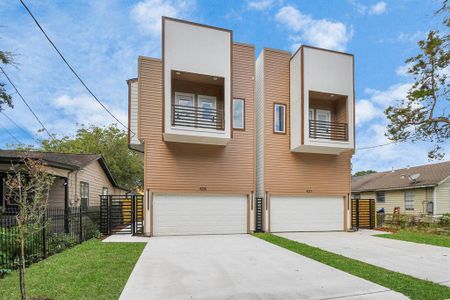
{"x": 259, "y": 215}
{"x": 363, "y": 213}
{"x": 121, "y": 214}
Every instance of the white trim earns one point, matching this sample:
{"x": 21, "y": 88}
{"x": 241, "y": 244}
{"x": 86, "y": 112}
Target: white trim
{"x": 243, "y": 114}
{"x": 434, "y": 202}
{"x": 444, "y": 180}
{"x": 177, "y": 94}
{"x": 207, "y": 98}
{"x": 275, "y": 118}
{"x": 327, "y": 112}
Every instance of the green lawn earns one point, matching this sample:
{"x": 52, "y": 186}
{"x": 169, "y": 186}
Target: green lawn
{"x": 419, "y": 237}
{"x": 92, "y": 270}
{"x": 412, "y": 287}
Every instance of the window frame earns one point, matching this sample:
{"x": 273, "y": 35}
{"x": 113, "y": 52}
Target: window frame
{"x": 84, "y": 183}
{"x": 377, "y": 198}
{"x": 275, "y": 104}
{"x": 243, "y": 115}
{"x": 411, "y": 193}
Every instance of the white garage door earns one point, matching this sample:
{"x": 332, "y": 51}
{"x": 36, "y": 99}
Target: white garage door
{"x": 295, "y": 213}
{"x": 189, "y": 214}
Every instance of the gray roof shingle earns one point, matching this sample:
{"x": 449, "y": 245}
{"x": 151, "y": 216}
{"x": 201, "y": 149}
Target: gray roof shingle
{"x": 430, "y": 175}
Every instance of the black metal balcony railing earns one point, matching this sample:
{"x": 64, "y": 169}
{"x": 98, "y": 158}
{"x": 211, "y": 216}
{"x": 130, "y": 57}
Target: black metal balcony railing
{"x": 328, "y": 130}
{"x": 198, "y": 117}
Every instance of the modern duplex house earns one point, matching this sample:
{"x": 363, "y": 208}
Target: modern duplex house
{"x": 218, "y": 128}
{"x": 194, "y": 119}
{"x": 305, "y": 138}
{"x": 419, "y": 190}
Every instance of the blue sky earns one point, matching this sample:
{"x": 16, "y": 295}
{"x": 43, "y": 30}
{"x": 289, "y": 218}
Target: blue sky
{"x": 102, "y": 39}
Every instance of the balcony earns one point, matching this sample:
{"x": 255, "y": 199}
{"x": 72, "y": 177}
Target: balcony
{"x": 328, "y": 130}
{"x": 197, "y": 83}
{"x": 321, "y": 101}
{"x": 197, "y": 117}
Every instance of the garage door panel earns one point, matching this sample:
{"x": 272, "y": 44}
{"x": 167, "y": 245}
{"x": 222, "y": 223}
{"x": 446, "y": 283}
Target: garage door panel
{"x": 296, "y": 213}
{"x": 190, "y": 214}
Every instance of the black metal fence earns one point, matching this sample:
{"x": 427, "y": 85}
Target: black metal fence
{"x": 194, "y": 116}
{"x": 328, "y": 130}
{"x": 61, "y": 229}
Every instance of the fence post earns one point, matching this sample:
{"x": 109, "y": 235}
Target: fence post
{"x": 133, "y": 211}
{"x": 44, "y": 236}
{"x": 109, "y": 214}
{"x": 81, "y": 225}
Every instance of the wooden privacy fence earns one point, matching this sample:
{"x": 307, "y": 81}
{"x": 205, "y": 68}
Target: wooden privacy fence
{"x": 363, "y": 213}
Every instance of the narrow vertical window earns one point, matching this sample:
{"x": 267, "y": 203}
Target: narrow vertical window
{"x": 409, "y": 200}
{"x": 84, "y": 195}
{"x": 279, "y": 111}
{"x": 238, "y": 114}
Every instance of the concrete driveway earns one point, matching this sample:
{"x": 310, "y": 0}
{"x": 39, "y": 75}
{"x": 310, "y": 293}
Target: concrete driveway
{"x": 238, "y": 267}
{"x": 418, "y": 260}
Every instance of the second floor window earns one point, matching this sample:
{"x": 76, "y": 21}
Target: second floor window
{"x": 238, "y": 114}
{"x": 84, "y": 194}
{"x": 279, "y": 118}
{"x": 380, "y": 196}
{"x": 409, "y": 200}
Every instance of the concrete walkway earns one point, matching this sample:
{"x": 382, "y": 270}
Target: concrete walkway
{"x": 238, "y": 267}
{"x": 125, "y": 238}
{"x": 418, "y": 260}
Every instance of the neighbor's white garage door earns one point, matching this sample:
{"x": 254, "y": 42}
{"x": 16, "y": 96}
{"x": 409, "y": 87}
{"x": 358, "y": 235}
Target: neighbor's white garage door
{"x": 189, "y": 214}
{"x": 296, "y": 213}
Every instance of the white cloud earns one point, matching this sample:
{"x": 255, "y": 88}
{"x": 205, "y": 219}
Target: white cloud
{"x": 317, "y": 32}
{"x": 403, "y": 70}
{"x": 366, "y": 111}
{"x": 83, "y": 109}
{"x": 260, "y": 4}
{"x": 378, "y": 8}
{"x": 394, "y": 93}
{"x": 148, "y": 13}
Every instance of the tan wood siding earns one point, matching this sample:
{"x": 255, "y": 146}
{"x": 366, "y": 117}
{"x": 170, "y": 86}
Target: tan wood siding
{"x": 443, "y": 197}
{"x": 397, "y": 199}
{"x": 286, "y": 172}
{"x": 56, "y": 197}
{"x": 94, "y": 175}
{"x": 182, "y": 167}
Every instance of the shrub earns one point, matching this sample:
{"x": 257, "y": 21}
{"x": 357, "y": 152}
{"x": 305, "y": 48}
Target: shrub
{"x": 444, "y": 220}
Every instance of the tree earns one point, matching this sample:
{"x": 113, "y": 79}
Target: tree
{"x": 112, "y": 143}
{"x": 28, "y": 186}
{"x": 422, "y": 116}
{"x": 6, "y": 58}
{"x": 365, "y": 172}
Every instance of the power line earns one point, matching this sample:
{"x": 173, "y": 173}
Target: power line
{"x": 21, "y": 128}
{"x": 26, "y": 103}
{"x": 72, "y": 69}
{"x": 381, "y": 145}
{"x": 12, "y": 135}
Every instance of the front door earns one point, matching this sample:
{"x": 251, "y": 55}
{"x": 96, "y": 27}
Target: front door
{"x": 207, "y": 113}
{"x": 324, "y": 118}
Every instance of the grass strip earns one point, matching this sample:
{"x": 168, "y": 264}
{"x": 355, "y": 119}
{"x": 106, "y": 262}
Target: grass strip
{"x": 92, "y": 270}
{"x": 410, "y": 286}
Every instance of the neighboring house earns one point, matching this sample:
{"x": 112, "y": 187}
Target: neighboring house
{"x": 415, "y": 190}
{"x": 80, "y": 179}
{"x": 211, "y": 124}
